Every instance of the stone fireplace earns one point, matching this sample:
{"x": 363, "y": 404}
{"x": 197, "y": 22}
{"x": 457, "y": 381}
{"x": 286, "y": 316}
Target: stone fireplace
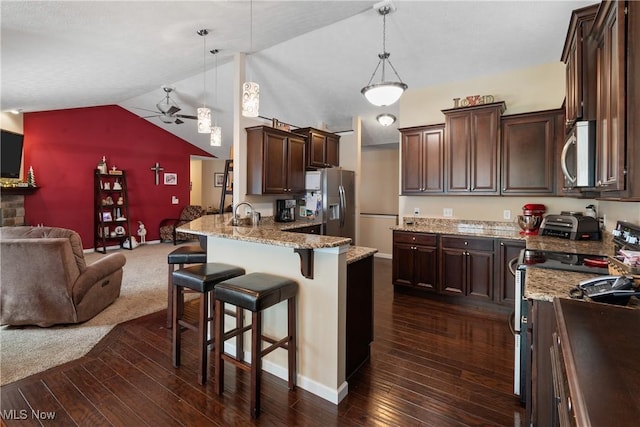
{"x": 12, "y": 208}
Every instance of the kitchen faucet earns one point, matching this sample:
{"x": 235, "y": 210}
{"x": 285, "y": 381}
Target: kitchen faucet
{"x": 234, "y": 220}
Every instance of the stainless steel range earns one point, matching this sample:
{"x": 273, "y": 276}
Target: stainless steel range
{"x": 586, "y": 263}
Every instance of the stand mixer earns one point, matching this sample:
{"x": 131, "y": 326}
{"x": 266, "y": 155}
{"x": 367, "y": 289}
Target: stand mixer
{"x": 531, "y": 218}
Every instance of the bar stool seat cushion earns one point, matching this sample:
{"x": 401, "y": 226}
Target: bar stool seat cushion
{"x": 255, "y": 291}
{"x": 204, "y": 277}
{"x": 191, "y": 254}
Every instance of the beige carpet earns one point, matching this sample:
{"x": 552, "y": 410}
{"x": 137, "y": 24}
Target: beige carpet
{"x": 27, "y": 350}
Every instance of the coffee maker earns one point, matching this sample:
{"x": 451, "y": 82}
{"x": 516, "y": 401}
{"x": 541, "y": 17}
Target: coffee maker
{"x": 285, "y": 210}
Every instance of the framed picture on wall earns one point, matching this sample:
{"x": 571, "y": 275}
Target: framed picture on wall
{"x": 218, "y": 178}
{"x": 106, "y": 217}
{"x": 170, "y": 179}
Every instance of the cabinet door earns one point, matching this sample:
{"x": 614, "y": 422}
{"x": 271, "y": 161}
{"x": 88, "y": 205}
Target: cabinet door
{"x": 403, "y": 264}
{"x": 452, "y": 271}
{"x": 528, "y": 161}
{"x": 610, "y": 65}
{"x": 479, "y": 274}
{"x": 458, "y": 139}
{"x": 316, "y": 150}
{"x": 296, "y": 165}
{"x": 423, "y": 160}
{"x": 332, "y": 152}
{"x": 433, "y": 160}
{"x": 426, "y": 267}
{"x": 506, "y": 283}
{"x": 276, "y": 164}
{"x": 485, "y": 126}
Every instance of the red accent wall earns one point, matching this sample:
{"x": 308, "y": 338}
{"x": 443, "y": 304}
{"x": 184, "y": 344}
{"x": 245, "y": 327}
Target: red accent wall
{"x": 64, "y": 148}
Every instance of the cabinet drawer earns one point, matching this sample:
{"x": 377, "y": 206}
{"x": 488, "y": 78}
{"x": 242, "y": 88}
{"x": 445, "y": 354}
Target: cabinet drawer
{"x": 415, "y": 238}
{"x": 475, "y": 243}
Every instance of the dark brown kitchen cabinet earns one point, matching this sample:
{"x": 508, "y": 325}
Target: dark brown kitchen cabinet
{"x": 423, "y": 160}
{"x": 509, "y": 250}
{"x": 415, "y": 260}
{"x": 467, "y": 266}
{"x": 541, "y": 325}
{"x": 323, "y": 148}
{"x": 472, "y": 137}
{"x": 528, "y": 152}
{"x": 275, "y": 161}
{"x": 578, "y": 54}
{"x": 609, "y": 35}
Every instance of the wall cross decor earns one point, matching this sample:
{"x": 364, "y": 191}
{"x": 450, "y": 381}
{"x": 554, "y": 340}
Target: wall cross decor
{"x": 157, "y": 170}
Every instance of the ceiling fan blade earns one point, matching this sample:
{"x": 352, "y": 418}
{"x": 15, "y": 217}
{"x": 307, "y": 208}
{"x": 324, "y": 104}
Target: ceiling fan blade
{"x": 148, "y": 117}
{"x": 184, "y": 116}
{"x": 178, "y": 121}
{"x": 173, "y": 110}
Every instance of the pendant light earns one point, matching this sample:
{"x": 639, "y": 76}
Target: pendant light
{"x": 386, "y": 119}
{"x": 250, "y": 90}
{"x": 386, "y": 92}
{"x": 204, "y": 113}
{"x": 216, "y": 131}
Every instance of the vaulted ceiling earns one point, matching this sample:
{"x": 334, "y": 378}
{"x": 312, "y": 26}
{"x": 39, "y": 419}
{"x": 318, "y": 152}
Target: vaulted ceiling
{"x": 311, "y": 58}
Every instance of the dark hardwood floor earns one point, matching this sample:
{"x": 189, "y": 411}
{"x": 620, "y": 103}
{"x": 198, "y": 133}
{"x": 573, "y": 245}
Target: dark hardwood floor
{"x": 432, "y": 364}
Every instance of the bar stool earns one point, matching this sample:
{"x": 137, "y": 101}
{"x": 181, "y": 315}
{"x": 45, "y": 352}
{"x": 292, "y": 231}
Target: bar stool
{"x": 200, "y": 278}
{"x": 254, "y": 292}
{"x": 191, "y": 254}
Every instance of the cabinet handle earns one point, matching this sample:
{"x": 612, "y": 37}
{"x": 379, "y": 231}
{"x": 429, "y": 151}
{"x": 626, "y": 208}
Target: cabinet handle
{"x": 413, "y": 238}
{"x": 466, "y": 243}
{"x": 501, "y": 243}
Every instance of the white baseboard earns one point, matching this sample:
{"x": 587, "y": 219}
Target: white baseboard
{"x": 149, "y": 242}
{"x": 385, "y": 256}
{"x": 320, "y": 390}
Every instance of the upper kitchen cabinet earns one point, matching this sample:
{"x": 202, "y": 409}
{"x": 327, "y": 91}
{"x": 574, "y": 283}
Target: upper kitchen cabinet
{"x": 423, "y": 160}
{"x": 275, "y": 161}
{"x": 577, "y": 55}
{"x": 323, "y": 148}
{"x": 609, "y": 35}
{"x": 472, "y": 137}
{"x": 528, "y": 152}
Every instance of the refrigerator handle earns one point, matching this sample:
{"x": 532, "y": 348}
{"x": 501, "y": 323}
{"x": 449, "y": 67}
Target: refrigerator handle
{"x": 343, "y": 205}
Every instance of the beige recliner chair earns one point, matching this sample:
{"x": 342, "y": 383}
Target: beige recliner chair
{"x": 45, "y": 280}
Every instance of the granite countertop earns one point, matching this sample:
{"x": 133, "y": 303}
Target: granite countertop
{"x": 356, "y": 253}
{"x": 268, "y": 232}
{"x": 541, "y": 284}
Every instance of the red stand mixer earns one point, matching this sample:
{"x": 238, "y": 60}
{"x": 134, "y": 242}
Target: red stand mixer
{"x": 531, "y": 218}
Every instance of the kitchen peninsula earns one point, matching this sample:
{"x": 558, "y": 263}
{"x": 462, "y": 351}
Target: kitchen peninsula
{"x": 330, "y": 316}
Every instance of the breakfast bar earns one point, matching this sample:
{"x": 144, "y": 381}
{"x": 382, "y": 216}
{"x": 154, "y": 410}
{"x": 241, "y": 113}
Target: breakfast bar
{"x": 319, "y": 265}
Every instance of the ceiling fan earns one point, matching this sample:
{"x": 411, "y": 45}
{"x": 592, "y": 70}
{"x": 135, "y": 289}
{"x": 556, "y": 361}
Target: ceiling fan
{"x": 168, "y": 109}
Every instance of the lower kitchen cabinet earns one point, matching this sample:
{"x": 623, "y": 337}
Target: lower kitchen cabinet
{"x": 505, "y": 285}
{"x": 467, "y": 266}
{"x": 359, "y": 323}
{"x": 415, "y": 260}
{"x": 541, "y": 325}
{"x": 471, "y": 267}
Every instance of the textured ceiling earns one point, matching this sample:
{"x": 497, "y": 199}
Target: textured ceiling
{"x": 311, "y": 58}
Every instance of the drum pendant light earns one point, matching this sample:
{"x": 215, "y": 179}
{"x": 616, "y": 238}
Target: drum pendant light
{"x": 204, "y": 113}
{"x": 250, "y": 90}
{"x": 386, "y": 92}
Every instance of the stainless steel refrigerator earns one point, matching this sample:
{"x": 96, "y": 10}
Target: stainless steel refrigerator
{"x": 337, "y": 187}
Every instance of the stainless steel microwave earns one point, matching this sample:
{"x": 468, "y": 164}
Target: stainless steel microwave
{"x": 578, "y": 158}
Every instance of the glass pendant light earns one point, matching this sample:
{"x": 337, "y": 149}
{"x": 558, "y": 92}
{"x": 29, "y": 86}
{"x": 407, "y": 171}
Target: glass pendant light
{"x": 204, "y": 113}
{"x": 216, "y": 131}
{"x": 384, "y": 93}
{"x": 250, "y": 90}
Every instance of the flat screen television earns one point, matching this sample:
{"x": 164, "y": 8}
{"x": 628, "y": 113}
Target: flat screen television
{"x": 10, "y": 154}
